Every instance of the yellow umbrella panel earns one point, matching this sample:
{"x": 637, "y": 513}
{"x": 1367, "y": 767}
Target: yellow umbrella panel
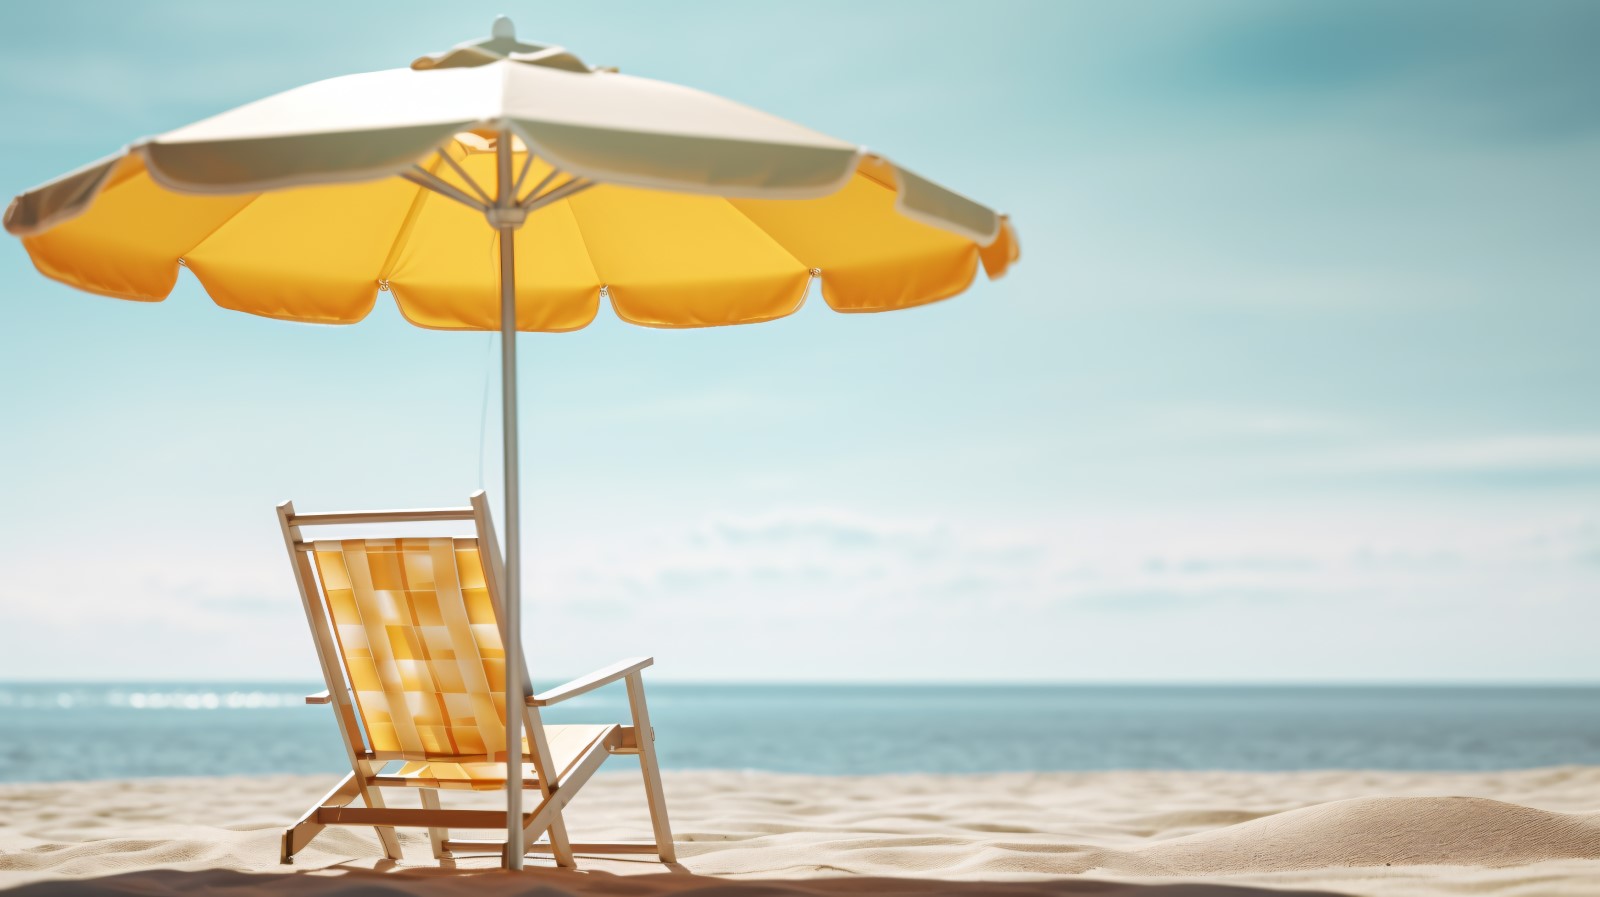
{"x": 322, "y": 253}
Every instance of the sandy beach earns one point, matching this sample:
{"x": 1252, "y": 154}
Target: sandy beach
{"x": 1124, "y": 833}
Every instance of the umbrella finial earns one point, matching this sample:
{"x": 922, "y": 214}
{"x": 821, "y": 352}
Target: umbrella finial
{"x": 501, "y": 44}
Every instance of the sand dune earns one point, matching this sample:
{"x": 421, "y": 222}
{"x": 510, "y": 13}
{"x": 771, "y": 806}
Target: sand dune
{"x": 1128, "y": 834}
{"x": 1378, "y": 831}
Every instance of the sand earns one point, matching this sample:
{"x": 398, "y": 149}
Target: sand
{"x": 1172, "y": 834}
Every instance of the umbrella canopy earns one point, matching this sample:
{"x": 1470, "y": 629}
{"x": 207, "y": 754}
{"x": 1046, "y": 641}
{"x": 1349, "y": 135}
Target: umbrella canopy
{"x": 681, "y": 208}
{"x": 698, "y": 211}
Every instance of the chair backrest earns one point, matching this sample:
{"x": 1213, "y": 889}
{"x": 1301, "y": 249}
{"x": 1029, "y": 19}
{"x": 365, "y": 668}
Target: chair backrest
{"x": 415, "y": 625}
{"x": 420, "y": 643}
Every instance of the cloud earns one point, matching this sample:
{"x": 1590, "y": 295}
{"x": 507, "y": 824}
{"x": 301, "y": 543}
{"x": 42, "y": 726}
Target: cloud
{"x": 1250, "y": 421}
{"x": 819, "y": 562}
{"x": 763, "y": 593}
{"x": 848, "y": 566}
{"x": 840, "y": 529}
{"x": 1514, "y": 453}
{"x": 1145, "y": 601}
{"x": 1297, "y": 447}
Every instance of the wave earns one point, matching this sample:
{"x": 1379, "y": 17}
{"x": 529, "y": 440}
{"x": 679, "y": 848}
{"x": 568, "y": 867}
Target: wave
{"x": 137, "y": 697}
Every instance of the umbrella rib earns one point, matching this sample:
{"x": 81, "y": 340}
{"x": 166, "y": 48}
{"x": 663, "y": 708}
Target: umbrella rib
{"x": 427, "y": 180}
{"x": 465, "y": 177}
{"x": 564, "y": 191}
{"x": 527, "y": 165}
{"x": 537, "y": 187}
{"x": 568, "y": 188}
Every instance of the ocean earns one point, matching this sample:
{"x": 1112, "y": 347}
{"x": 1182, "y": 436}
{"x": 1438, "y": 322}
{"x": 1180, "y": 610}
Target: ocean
{"x": 55, "y": 731}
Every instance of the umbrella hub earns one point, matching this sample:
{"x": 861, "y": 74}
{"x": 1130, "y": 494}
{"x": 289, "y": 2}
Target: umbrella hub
{"x": 502, "y": 44}
{"x": 505, "y": 217}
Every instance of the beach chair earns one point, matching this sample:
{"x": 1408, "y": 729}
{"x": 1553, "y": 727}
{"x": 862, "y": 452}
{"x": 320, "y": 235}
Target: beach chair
{"x": 410, "y": 637}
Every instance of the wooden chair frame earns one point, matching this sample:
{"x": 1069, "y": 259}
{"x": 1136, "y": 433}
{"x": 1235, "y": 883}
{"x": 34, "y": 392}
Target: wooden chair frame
{"x": 366, "y": 780}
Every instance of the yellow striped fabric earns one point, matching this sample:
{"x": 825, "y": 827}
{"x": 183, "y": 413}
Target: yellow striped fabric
{"x": 419, "y": 640}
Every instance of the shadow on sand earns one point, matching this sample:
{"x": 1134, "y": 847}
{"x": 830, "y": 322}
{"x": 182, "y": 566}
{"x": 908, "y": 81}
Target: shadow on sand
{"x": 348, "y": 882}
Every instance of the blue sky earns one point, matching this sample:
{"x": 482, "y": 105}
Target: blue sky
{"x": 1295, "y": 381}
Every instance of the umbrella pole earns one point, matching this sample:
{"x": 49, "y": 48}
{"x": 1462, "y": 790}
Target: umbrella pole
{"x": 505, "y": 201}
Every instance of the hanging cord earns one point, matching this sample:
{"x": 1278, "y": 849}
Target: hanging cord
{"x": 483, "y": 415}
{"x": 492, "y": 246}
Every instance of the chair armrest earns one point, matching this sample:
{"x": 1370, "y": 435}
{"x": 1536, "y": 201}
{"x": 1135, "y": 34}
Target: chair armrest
{"x": 594, "y": 680}
{"x": 321, "y": 697}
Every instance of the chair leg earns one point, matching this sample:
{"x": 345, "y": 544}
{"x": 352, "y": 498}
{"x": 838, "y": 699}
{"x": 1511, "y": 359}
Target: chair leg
{"x": 654, "y": 795}
{"x": 549, "y": 780}
{"x": 387, "y": 839}
{"x": 297, "y": 836}
{"x": 560, "y": 844}
{"x": 436, "y": 836}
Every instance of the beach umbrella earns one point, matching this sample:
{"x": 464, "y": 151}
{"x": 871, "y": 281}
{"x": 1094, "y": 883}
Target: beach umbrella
{"x": 508, "y": 186}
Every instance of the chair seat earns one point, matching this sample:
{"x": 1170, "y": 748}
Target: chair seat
{"x": 567, "y": 744}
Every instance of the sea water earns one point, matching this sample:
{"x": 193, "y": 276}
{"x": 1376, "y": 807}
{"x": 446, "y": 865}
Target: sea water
{"x": 87, "y": 731}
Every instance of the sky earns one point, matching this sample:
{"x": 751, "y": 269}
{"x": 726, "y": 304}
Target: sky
{"x": 1296, "y": 379}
